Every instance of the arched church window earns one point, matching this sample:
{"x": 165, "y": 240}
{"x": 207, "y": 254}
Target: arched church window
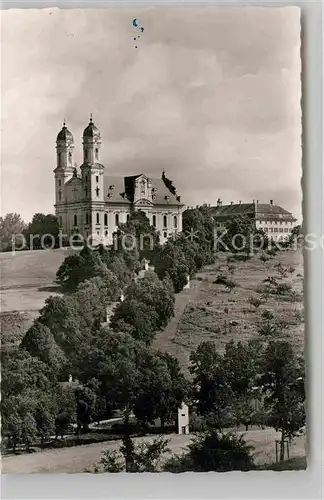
{"x": 117, "y": 219}
{"x": 127, "y": 217}
{"x": 175, "y": 221}
{"x": 143, "y": 184}
{"x": 154, "y": 220}
{"x": 59, "y": 182}
{"x": 70, "y": 156}
{"x": 59, "y": 195}
{"x": 106, "y": 219}
{"x": 165, "y": 221}
{"x": 97, "y": 191}
{"x": 98, "y": 218}
{"x": 97, "y": 179}
{"x": 97, "y": 153}
{"x": 75, "y": 220}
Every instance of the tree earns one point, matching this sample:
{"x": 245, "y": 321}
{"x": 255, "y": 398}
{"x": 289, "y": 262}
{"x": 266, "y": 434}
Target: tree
{"x": 242, "y": 236}
{"x": 77, "y": 268}
{"x": 27, "y": 386}
{"x": 282, "y": 383}
{"x": 213, "y": 451}
{"x": 156, "y": 293}
{"x": 45, "y": 418}
{"x": 172, "y": 262}
{"x": 93, "y": 296}
{"x": 85, "y": 407}
{"x": 146, "y": 237}
{"x": 42, "y": 231}
{"x": 139, "y": 319}
{"x": 198, "y": 222}
{"x": 60, "y": 316}
{"x": 112, "y": 360}
{"x": 66, "y": 412}
{"x": 241, "y": 363}
{"x": 11, "y": 224}
{"x": 225, "y": 384}
{"x": 143, "y": 457}
{"x": 39, "y": 342}
{"x": 148, "y": 305}
{"x": 162, "y": 388}
{"x": 212, "y": 388}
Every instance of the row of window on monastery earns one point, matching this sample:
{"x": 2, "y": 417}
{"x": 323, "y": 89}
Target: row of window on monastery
{"x": 87, "y": 221}
{"x": 277, "y": 222}
{"x": 276, "y": 230}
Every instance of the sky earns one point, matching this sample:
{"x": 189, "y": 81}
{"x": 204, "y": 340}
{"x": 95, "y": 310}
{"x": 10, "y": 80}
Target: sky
{"x": 210, "y": 95}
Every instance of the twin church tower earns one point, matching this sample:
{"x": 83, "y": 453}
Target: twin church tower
{"x": 91, "y": 202}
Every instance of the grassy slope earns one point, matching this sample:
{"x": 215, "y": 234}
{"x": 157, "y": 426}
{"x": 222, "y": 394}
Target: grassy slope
{"x": 208, "y": 312}
{"x": 27, "y": 279}
{"x": 204, "y": 312}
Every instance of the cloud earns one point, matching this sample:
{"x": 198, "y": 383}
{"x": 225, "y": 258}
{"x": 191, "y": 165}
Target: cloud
{"x": 211, "y": 95}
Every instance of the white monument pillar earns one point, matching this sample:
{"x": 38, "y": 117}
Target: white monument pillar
{"x": 183, "y": 419}
{"x": 187, "y": 285}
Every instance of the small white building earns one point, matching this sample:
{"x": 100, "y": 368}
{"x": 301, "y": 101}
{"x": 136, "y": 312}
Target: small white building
{"x": 187, "y": 285}
{"x": 183, "y": 419}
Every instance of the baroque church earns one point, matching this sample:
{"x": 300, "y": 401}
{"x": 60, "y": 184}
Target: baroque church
{"x": 94, "y": 202}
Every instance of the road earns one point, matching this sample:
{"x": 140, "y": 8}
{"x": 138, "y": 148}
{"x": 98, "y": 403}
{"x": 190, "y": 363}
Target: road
{"x": 79, "y": 458}
{"x": 75, "y": 459}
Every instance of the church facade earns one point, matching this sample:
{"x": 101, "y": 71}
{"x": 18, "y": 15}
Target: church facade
{"x": 92, "y": 202}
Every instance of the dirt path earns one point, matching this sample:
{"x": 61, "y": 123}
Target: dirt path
{"x": 73, "y": 460}
{"x": 164, "y": 340}
{"x": 79, "y": 458}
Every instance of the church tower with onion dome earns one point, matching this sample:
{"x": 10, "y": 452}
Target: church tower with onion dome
{"x": 92, "y": 173}
{"x": 91, "y": 202}
{"x": 64, "y": 163}
{"x": 91, "y": 170}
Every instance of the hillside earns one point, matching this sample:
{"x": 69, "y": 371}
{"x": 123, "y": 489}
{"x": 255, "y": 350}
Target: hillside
{"x": 27, "y": 279}
{"x": 207, "y": 311}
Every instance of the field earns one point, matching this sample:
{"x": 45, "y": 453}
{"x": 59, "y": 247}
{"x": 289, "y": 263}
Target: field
{"x": 208, "y": 311}
{"x": 27, "y": 279}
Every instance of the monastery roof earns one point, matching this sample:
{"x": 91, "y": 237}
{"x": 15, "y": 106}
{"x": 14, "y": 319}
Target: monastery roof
{"x": 260, "y": 211}
{"x": 116, "y": 187}
{"x": 121, "y": 190}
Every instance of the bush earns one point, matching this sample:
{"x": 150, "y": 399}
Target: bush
{"x": 267, "y": 315}
{"x": 214, "y": 451}
{"x": 264, "y": 257}
{"x": 231, "y": 268}
{"x": 221, "y": 280}
{"x": 254, "y": 301}
{"x": 267, "y": 329}
{"x": 230, "y": 284}
{"x": 283, "y": 289}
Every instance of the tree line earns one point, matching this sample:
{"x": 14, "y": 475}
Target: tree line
{"x": 115, "y": 366}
